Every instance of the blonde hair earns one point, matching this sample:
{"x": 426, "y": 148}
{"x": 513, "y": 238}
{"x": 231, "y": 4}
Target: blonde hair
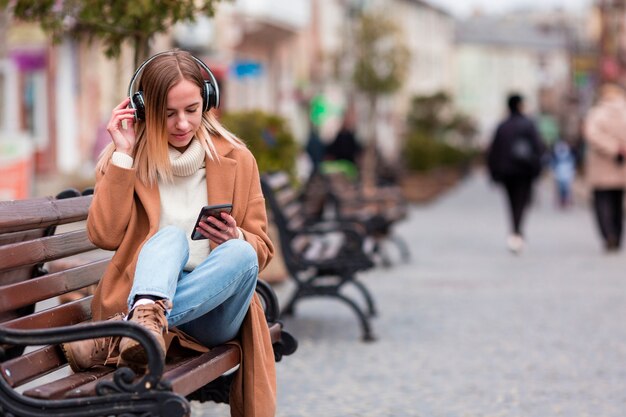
{"x": 151, "y": 156}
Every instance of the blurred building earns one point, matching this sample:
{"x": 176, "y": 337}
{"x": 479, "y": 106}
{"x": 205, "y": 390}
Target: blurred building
{"x": 429, "y": 34}
{"x": 58, "y": 98}
{"x": 259, "y": 53}
{"x": 610, "y": 35}
{"x": 499, "y": 55}
{"x": 279, "y": 56}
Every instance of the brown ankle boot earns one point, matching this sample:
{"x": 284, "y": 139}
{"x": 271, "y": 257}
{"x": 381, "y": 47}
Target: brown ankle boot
{"x": 84, "y": 354}
{"x": 151, "y": 317}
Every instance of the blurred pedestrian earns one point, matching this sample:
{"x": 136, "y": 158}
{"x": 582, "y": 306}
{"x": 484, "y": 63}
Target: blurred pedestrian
{"x": 605, "y": 134}
{"x": 563, "y": 164}
{"x": 345, "y": 149}
{"x": 314, "y": 147}
{"x": 514, "y": 160}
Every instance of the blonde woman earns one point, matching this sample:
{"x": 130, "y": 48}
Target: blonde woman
{"x": 169, "y": 157}
{"x": 605, "y": 135}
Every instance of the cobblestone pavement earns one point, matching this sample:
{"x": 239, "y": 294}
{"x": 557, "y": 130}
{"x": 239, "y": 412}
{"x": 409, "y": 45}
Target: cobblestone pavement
{"x": 467, "y": 329}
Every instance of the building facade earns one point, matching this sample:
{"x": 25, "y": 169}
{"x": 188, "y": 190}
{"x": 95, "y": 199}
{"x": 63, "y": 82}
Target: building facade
{"x": 497, "y": 56}
{"x": 279, "y": 56}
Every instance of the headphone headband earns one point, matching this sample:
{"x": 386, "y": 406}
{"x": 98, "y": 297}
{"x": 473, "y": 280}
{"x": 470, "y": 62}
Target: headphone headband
{"x": 209, "y": 95}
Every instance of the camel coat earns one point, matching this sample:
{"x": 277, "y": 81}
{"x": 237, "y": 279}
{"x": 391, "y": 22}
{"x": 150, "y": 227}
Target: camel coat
{"x": 605, "y": 133}
{"x": 125, "y": 213}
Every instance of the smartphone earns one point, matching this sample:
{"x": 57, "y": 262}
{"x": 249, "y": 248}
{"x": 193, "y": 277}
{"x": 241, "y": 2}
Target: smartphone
{"x": 206, "y": 212}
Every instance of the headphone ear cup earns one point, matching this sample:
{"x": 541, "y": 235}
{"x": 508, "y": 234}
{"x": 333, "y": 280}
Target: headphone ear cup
{"x": 210, "y": 98}
{"x": 137, "y": 102}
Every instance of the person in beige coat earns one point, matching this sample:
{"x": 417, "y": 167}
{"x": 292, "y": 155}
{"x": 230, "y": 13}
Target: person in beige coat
{"x": 605, "y": 135}
{"x": 168, "y": 158}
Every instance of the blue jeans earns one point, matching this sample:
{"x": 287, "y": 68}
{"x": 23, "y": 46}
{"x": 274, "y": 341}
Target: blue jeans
{"x": 210, "y": 302}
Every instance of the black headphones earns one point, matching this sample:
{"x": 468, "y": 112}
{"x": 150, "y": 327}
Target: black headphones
{"x": 210, "y": 92}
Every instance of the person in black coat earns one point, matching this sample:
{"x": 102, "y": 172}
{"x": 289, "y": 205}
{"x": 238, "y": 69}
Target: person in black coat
{"x": 514, "y": 160}
{"x": 345, "y": 146}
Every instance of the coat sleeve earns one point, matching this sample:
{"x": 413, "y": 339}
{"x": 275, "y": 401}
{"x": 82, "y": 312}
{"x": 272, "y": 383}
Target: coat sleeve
{"x": 111, "y": 208}
{"x": 598, "y": 137}
{"x": 254, "y": 225}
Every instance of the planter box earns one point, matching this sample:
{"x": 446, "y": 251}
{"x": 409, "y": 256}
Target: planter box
{"x": 423, "y": 187}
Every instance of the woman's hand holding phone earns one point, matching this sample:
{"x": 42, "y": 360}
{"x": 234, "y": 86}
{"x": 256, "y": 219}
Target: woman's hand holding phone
{"x": 216, "y": 224}
{"x": 121, "y": 127}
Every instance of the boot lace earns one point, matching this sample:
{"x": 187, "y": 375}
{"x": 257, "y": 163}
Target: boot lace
{"x": 152, "y": 316}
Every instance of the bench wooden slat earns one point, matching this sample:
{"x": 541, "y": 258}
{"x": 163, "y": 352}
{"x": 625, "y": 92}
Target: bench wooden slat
{"x": 36, "y": 213}
{"x": 277, "y": 180}
{"x": 74, "y": 382}
{"x": 42, "y": 288}
{"x": 201, "y": 370}
{"x": 44, "y": 249}
{"x": 64, "y": 315}
{"x": 296, "y": 224}
{"x": 21, "y": 236}
{"x": 20, "y": 370}
{"x": 299, "y": 244}
{"x": 186, "y": 375}
{"x": 16, "y": 275}
{"x": 292, "y": 211}
{"x": 286, "y": 197}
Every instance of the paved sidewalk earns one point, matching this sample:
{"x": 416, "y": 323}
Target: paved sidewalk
{"x": 468, "y": 329}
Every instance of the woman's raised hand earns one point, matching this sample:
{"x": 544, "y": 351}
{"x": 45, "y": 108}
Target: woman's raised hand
{"x": 121, "y": 127}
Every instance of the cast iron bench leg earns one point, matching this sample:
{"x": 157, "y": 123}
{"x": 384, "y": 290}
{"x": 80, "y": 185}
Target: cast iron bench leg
{"x": 365, "y": 324}
{"x": 371, "y": 308}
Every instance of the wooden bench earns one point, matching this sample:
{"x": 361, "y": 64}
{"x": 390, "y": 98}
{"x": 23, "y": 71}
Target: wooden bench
{"x": 321, "y": 257}
{"x": 333, "y": 195}
{"x": 29, "y": 244}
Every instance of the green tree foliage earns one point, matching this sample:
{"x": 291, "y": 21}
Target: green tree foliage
{"x": 431, "y": 122}
{"x": 435, "y": 116}
{"x": 268, "y": 137}
{"x": 428, "y": 113}
{"x": 111, "y": 21}
{"x": 422, "y": 153}
{"x": 382, "y": 57}
{"x": 380, "y": 68}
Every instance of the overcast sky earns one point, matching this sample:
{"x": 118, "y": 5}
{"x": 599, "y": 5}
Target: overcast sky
{"x": 463, "y": 8}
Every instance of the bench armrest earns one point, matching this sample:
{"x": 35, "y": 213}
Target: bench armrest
{"x": 270, "y": 302}
{"x": 124, "y": 377}
{"x": 286, "y": 343}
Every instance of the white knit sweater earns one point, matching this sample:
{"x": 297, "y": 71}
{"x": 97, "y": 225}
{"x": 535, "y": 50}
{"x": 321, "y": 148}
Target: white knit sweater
{"x": 182, "y": 199}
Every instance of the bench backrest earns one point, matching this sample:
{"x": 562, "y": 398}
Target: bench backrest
{"x": 38, "y": 235}
{"x": 284, "y": 201}
{"x": 287, "y": 213}
{"x": 301, "y": 248}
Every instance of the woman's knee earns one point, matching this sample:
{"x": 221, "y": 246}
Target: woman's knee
{"x": 240, "y": 251}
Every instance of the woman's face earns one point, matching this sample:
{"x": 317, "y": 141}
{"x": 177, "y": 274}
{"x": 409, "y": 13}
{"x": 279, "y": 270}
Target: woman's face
{"x": 184, "y": 114}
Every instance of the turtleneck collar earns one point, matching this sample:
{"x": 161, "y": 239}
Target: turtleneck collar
{"x": 188, "y": 162}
